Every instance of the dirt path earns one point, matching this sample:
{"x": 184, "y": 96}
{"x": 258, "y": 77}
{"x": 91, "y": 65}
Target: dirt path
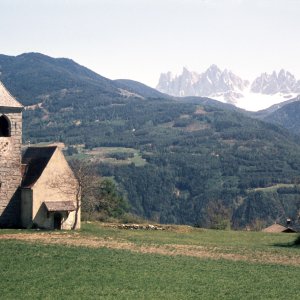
{"x": 169, "y": 249}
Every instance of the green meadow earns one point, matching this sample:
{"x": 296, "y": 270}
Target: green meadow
{"x": 40, "y": 269}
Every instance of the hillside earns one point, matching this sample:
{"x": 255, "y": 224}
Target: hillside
{"x": 33, "y": 78}
{"x": 140, "y": 89}
{"x": 287, "y": 116}
{"x": 203, "y": 163}
{"x": 211, "y": 156}
{"x": 262, "y": 114}
{"x": 46, "y": 79}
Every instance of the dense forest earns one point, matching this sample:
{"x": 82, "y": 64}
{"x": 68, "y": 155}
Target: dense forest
{"x": 207, "y": 164}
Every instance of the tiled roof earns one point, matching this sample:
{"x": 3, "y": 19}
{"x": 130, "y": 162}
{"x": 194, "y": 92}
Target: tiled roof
{"x": 35, "y": 160}
{"x": 60, "y": 206}
{"x": 6, "y": 99}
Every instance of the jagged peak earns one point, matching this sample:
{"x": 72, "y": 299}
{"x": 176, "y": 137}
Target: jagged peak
{"x": 274, "y": 74}
{"x": 214, "y": 81}
{"x": 214, "y": 67}
{"x": 185, "y": 70}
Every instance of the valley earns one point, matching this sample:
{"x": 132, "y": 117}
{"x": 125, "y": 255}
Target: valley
{"x": 150, "y": 150}
{"x": 189, "y": 160}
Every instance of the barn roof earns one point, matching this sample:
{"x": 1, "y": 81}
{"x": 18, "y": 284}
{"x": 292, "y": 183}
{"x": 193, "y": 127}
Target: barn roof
{"x": 59, "y": 206}
{"x": 34, "y": 161}
{"x": 6, "y": 99}
{"x": 278, "y": 228}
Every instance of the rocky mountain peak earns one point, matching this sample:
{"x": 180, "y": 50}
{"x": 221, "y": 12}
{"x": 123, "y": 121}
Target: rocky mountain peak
{"x": 213, "y": 69}
{"x": 226, "y": 86}
{"x": 270, "y": 84}
{"x": 211, "y": 82}
{"x": 213, "y": 73}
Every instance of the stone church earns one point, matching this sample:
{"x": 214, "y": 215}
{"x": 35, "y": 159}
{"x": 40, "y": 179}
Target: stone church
{"x": 38, "y": 189}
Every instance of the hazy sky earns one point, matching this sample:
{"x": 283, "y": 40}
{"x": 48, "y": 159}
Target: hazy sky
{"x": 139, "y": 39}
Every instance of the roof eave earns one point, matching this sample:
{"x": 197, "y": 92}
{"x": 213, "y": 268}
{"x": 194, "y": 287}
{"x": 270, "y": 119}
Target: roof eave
{"x": 12, "y": 108}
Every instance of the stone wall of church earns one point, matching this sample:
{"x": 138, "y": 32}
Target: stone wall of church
{"x": 10, "y": 170}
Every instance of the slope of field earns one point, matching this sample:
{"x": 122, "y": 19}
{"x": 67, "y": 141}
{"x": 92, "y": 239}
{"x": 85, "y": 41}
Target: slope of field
{"x": 176, "y": 263}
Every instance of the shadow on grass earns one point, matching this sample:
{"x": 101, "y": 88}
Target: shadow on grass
{"x": 294, "y": 244}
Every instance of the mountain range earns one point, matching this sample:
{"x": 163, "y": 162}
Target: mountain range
{"x": 264, "y": 91}
{"x": 197, "y": 151}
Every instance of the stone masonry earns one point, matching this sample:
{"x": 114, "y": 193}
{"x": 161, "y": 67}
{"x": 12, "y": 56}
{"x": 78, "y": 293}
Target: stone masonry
{"x": 10, "y": 163}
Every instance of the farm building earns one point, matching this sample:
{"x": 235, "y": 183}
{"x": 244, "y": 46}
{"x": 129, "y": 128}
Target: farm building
{"x": 38, "y": 190}
{"x": 276, "y": 228}
{"x": 48, "y": 190}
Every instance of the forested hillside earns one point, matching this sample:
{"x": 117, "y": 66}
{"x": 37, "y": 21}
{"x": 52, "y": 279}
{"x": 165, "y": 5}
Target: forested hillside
{"x": 140, "y": 89}
{"x": 213, "y": 167}
{"x": 207, "y": 163}
{"x": 287, "y": 116}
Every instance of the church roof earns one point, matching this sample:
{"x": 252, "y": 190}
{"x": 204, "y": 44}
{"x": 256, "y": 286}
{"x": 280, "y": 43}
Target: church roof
{"x": 34, "y": 161}
{"x": 6, "y": 99}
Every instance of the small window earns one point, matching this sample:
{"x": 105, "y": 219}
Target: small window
{"x": 4, "y": 126}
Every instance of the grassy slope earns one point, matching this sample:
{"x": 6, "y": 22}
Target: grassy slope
{"x": 100, "y": 155}
{"x": 50, "y": 271}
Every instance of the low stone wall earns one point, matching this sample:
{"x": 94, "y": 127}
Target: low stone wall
{"x": 139, "y": 227}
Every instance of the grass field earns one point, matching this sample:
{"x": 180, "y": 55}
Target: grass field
{"x": 103, "y": 262}
{"x": 100, "y": 155}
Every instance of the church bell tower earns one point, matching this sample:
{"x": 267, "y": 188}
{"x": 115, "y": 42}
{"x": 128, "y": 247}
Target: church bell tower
{"x": 10, "y": 158}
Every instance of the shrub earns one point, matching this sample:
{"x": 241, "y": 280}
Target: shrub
{"x": 297, "y": 241}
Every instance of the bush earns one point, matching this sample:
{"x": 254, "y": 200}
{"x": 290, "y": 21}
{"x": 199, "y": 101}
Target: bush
{"x": 129, "y": 218}
{"x": 120, "y": 155}
{"x": 103, "y": 202}
{"x": 297, "y": 241}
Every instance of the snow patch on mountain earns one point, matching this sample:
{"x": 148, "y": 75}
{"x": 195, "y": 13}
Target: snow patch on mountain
{"x": 257, "y": 101}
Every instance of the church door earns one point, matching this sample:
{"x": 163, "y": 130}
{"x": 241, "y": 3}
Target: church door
{"x": 57, "y": 220}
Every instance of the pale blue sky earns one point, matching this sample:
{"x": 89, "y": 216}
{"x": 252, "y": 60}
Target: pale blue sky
{"x": 139, "y": 39}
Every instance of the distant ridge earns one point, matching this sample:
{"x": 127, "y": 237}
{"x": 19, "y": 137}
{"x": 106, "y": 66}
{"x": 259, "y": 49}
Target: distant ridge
{"x": 262, "y": 114}
{"x": 44, "y": 77}
{"x": 140, "y": 89}
{"x": 287, "y": 116}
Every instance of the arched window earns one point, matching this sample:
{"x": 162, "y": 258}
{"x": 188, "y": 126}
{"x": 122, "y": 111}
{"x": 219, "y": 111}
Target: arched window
{"x": 4, "y": 126}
